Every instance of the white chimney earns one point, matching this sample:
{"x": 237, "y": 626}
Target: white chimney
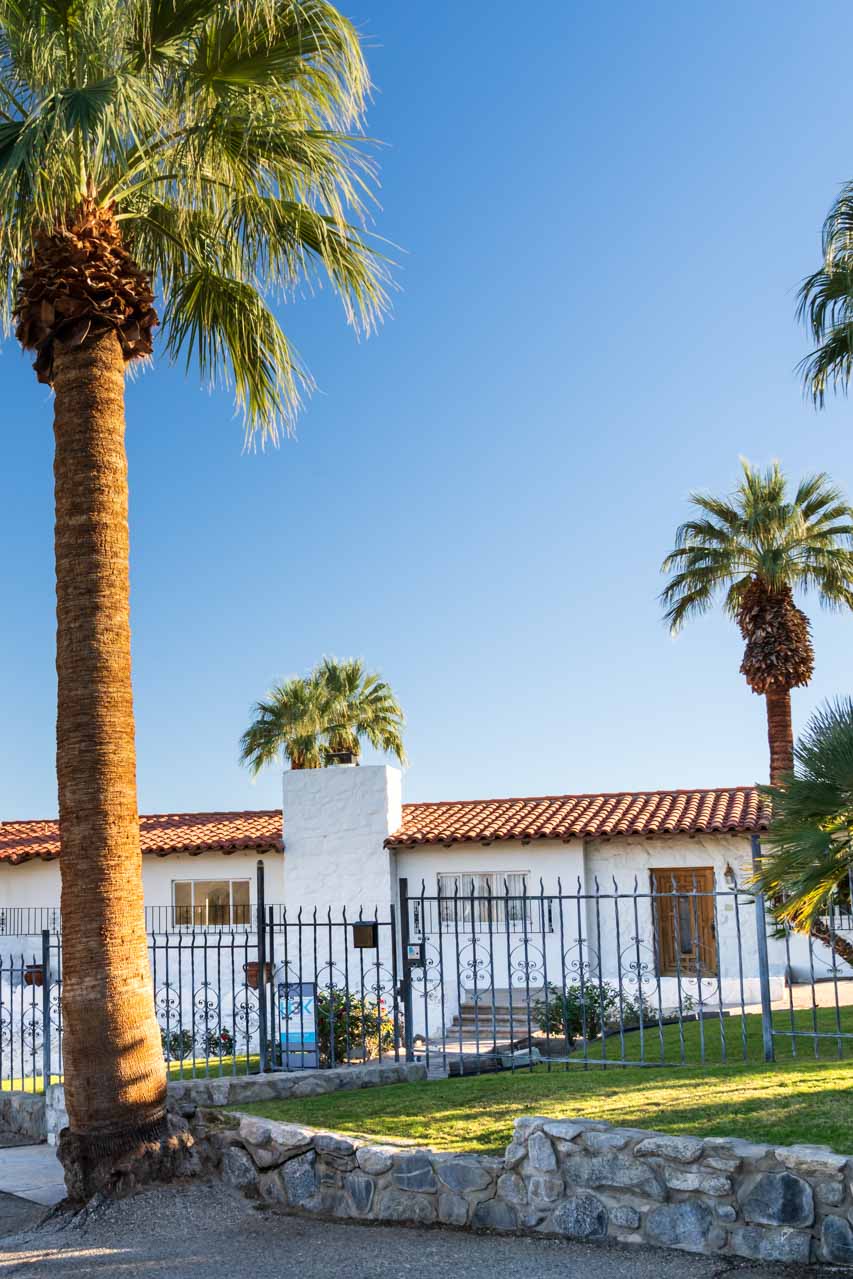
{"x": 336, "y": 821}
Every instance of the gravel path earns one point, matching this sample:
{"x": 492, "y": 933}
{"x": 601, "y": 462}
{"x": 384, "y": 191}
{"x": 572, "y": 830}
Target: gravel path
{"x": 184, "y": 1232}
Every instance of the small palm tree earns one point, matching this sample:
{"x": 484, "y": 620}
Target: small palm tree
{"x": 826, "y": 304}
{"x": 809, "y": 859}
{"x": 756, "y": 549}
{"x": 360, "y": 706}
{"x": 203, "y": 152}
{"x": 289, "y": 723}
{"x": 310, "y": 721}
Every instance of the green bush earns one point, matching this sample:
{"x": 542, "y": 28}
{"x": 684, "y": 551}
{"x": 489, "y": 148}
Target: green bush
{"x": 359, "y": 1024}
{"x": 588, "y": 1009}
{"x": 178, "y": 1045}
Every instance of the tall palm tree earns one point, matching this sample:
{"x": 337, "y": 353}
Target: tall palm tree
{"x": 756, "y": 549}
{"x": 826, "y": 304}
{"x": 809, "y": 860}
{"x": 312, "y": 720}
{"x": 204, "y": 152}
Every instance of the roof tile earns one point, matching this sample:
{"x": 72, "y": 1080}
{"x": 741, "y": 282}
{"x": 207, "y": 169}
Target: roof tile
{"x": 160, "y": 833}
{"x": 736, "y": 810}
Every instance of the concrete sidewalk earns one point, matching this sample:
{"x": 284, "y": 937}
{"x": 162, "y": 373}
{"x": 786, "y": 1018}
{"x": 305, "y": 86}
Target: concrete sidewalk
{"x": 184, "y": 1232}
{"x": 33, "y": 1173}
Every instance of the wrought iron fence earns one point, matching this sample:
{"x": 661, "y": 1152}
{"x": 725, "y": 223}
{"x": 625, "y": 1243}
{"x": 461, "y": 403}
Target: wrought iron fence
{"x": 28, "y": 921}
{"x": 32, "y": 921}
{"x": 31, "y": 1015}
{"x": 680, "y": 968}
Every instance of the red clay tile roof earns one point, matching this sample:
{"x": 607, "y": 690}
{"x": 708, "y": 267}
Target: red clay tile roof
{"x": 739, "y": 810}
{"x": 161, "y": 834}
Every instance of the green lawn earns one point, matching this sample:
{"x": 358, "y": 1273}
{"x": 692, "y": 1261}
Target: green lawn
{"x": 792, "y": 1101}
{"x": 214, "y": 1068}
{"x": 731, "y": 1040}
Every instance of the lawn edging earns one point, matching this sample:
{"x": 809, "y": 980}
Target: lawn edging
{"x": 570, "y": 1178}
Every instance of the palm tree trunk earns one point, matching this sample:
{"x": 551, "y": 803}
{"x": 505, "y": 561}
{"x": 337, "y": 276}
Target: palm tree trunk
{"x": 842, "y": 947}
{"x": 115, "y": 1082}
{"x": 780, "y": 734}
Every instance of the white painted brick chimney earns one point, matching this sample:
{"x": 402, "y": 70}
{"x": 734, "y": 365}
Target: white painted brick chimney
{"x": 336, "y": 821}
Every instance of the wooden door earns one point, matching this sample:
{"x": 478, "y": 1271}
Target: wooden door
{"x": 683, "y": 911}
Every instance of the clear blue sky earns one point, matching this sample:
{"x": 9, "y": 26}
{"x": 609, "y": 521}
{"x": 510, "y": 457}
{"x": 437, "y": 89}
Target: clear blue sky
{"x": 606, "y": 211}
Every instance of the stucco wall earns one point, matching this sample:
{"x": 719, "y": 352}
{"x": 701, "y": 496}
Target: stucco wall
{"x": 617, "y": 935}
{"x": 337, "y": 820}
{"x": 36, "y": 883}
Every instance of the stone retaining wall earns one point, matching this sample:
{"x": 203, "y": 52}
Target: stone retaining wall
{"x": 233, "y": 1090}
{"x": 23, "y": 1112}
{"x": 571, "y": 1178}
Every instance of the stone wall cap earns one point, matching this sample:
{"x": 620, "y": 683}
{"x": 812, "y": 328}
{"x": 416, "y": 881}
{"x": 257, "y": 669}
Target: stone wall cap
{"x": 811, "y": 1158}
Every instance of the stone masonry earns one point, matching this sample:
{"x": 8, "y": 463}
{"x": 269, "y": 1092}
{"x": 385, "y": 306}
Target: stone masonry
{"x": 569, "y": 1178}
{"x": 233, "y": 1090}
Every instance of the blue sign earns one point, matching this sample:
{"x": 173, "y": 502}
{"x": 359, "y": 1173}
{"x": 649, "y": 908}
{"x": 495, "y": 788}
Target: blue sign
{"x": 297, "y": 1003}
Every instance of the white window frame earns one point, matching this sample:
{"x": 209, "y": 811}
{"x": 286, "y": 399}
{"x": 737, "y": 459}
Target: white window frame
{"x": 194, "y": 923}
{"x": 459, "y": 915}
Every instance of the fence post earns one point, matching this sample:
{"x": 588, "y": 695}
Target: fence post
{"x": 45, "y": 1008}
{"x": 262, "y": 968}
{"x": 406, "y": 983}
{"x": 763, "y": 960}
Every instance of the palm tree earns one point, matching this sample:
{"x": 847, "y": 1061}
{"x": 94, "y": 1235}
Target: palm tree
{"x": 206, "y": 152}
{"x": 288, "y": 722}
{"x": 826, "y": 304}
{"x": 360, "y": 706}
{"x": 310, "y": 721}
{"x": 809, "y": 862}
{"x": 757, "y": 549}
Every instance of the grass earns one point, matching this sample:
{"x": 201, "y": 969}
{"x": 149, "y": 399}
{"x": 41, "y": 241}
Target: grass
{"x": 214, "y": 1068}
{"x": 731, "y": 1040}
{"x": 795, "y": 1100}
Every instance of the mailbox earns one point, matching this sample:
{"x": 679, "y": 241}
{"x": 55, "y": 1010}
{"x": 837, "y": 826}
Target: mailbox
{"x": 365, "y": 936}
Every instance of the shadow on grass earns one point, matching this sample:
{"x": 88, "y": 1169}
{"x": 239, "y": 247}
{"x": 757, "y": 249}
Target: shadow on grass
{"x": 782, "y": 1104}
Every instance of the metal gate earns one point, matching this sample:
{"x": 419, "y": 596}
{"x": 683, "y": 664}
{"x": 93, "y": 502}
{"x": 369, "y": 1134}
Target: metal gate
{"x": 677, "y": 971}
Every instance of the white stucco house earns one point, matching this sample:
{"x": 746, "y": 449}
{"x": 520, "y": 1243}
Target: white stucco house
{"x": 650, "y": 886}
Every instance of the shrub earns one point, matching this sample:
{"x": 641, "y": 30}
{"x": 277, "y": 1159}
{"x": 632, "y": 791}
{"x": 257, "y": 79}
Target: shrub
{"x": 177, "y": 1045}
{"x": 595, "y": 1006}
{"x": 359, "y": 1023}
{"x": 180, "y": 1044}
{"x": 577, "y": 1012}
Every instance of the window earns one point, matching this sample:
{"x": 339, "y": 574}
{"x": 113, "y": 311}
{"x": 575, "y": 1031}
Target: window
{"x": 211, "y": 902}
{"x": 473, "y": 899}
{"x": 685, "y": 936}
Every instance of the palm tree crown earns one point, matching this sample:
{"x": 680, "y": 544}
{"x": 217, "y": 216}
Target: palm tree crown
{"x": 807, "y": 869}
{"x": 826, "y": 304}
{"x": 810, "y": 841}
{"x": 755, "y": 550}
{"x": 761, "y": 534}
{"x": 203, "y": 150}
{"x": 332, "y": 710}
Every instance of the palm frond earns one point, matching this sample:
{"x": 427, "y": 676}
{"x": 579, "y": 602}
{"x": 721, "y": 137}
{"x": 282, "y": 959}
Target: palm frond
{"x": 222, "y": 324}
{"x": 786, "y": 542}
{"x": 227, "y": 138}
{"x": 809, "y": 847}
{"x": 333, "y": 709}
